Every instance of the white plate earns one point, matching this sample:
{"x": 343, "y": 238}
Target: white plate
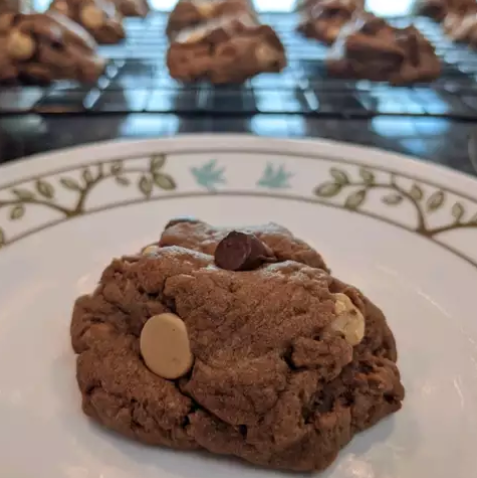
{"x": 403, "y": 231}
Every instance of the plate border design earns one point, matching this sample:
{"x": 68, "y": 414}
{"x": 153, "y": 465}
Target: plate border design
{"x": 154, "y": 176}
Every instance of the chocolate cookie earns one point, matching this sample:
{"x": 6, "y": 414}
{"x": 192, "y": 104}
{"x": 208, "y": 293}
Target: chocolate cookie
{"x": 191, "y": 13}
{"x": 45, "y": 47}
{"x": 133, "y": 8}
{"x": 322, "y": 20}
{"x": 229, "y": 49}
{"x": 369, "y": 48}
{"x": 280, "y": 365}
{"x": 99, "y": 17}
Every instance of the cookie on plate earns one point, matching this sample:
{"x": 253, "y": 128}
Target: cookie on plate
{"x": 238, "y": 342}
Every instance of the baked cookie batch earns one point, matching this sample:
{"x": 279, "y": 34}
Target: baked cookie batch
{"x": 223, "y": 41}
{"x": 237, "y": 342}
{"x": 62, "y": 42}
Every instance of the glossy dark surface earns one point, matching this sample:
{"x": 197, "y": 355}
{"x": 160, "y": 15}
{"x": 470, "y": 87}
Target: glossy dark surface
{"x": 136, "y": 98}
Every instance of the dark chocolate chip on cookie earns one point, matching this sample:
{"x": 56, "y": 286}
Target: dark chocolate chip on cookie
{"x": 240, "y": 251}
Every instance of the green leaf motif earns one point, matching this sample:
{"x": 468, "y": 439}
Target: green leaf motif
{"x": 367, "y": 176}
{"x": 157, "y": 161}
{"x": 339, "y": 176}
{"x": 145, "y": 186}
{"x": 435, "y": 201}
{"x": 23, "y": 194}
{"x": 458, "y": 211}
{"x": 164, "y": 181}
{"x": 3, "y": 239}
{"x": 275, "y": 177}
{"x": 416, "y": 192}
{"x": 116, "y": 168}
{"x": 328, "y": 190}
{"x": 70, "y": 183}
{"x": 355, "y": 200}
{"x": 87, "y": 176}
{"x": 392, "y": 199}
{"x": 45, "y": 189}
{"x": 208, "y": 175}
{"x": 122, "y": 180}
{"x": 17, "y": 212}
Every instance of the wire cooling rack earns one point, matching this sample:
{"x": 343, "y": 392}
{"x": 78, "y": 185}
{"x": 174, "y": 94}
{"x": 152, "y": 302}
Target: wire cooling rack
{"x": 136, "y": 81}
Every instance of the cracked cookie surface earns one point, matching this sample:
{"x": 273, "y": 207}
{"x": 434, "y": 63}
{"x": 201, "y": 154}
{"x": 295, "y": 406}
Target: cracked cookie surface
{"x": 269, "y": 383}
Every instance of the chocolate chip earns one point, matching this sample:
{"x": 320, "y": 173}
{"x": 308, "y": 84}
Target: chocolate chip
{"x": 180, "y": 220}
{"x": 240, "y": 252}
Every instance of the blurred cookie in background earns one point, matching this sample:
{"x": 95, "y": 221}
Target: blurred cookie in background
{"x": 435, "y": 9}
{"x": 133, "y": 8}
{"x": 100, "y": 17}
{"x": 16, "y": 6}
{"x": 191, "y": 13}
{"x": 225, "y": 50}
{"x": 369, "y": 48}
{"x": 460, "y": 23}
{"x": 40, "y": 48}
{"x": 323, "y": 20}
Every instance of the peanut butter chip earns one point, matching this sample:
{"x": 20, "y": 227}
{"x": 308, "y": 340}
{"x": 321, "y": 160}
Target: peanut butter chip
{"x": 92, "y": 17}
{"x": 349, "y": 321}
{"x": 151, "y": 250}
{"x": 165, "y": 346}
{"x": 20, "y": 46}
{"x": 206, "y": 9}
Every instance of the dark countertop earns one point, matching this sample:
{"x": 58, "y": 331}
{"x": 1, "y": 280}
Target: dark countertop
{"x": 137, "y": 99}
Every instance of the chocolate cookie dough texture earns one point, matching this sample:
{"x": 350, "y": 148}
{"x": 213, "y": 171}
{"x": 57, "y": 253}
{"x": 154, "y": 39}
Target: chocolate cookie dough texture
{"x": 439, "y": 9}
{"x": 458, "y": 17}
{"x": 99, "y": 17}
{"x": 133, "y": 8}
{"x": 226, "y": 44}
{"x": 323, "y": 20}
{"x": 191, "y": 13}
{"x": 46, "y": 47}
{"x": 16, "y": 6}
{"x": 369, "y": 48}
{"x": 461, "y": 24}
{"x": 262, "y": 355}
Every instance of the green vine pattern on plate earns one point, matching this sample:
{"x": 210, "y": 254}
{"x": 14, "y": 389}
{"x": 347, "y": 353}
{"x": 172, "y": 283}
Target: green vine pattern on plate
{"x": 393, "y": 195}
{"x": 42, "y": 192}
{"x": 352, "y": 188}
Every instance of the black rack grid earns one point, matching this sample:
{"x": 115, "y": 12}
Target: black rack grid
{"x": 136, "y": 81}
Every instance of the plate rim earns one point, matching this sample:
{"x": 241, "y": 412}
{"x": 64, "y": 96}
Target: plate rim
{"x": 400, "y": 161}
{"x": 104, "y": 157}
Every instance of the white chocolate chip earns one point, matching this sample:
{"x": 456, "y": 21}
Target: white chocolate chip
{"x": 165, "y": 346}
{"x": 150, "y": 250}
{"x": 92, "y": 17}
{"x": 195, "y": 37}
{"x": 20, "y": 46}
{"x": 349, "y": 321}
